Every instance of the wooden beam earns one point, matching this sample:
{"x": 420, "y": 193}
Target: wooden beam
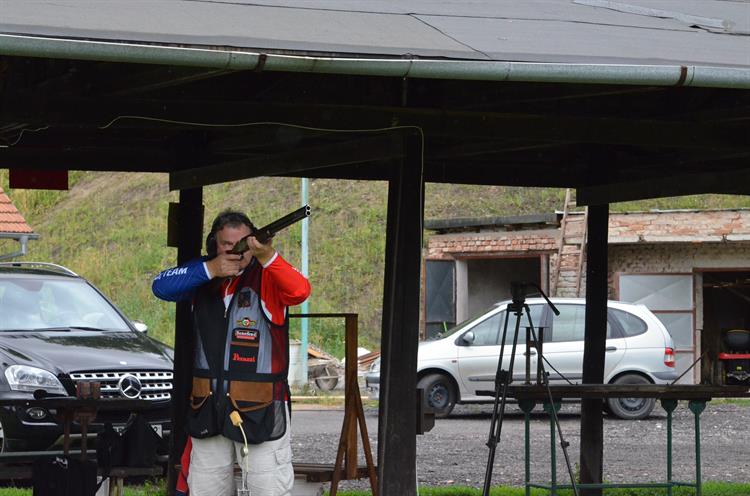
{"x": 115, "y": 158}
{"x": 494, "y": 174}
{"x": 397, "y": 429}
{"x": 260, "y": 136}
{"x": 594, "y": 344}
{"x": 505, "y": 173}
{"x": 601, "y": 391}
{"x": 726, "y": 182}
{"x": 131, "y": 83}
{"x": 433, "y": 121}
{"x": 470, "y": 149}
{"x": 190, "y": 236}
{"x": 293, "y": 162}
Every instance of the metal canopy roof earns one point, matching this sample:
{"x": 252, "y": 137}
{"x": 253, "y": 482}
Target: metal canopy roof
{"x": 583, "y": 93}
{"x": 697, "y": 32}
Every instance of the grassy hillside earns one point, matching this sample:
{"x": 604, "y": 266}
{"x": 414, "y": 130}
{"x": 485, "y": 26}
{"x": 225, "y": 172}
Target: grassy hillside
{"x": 111, "y": 229}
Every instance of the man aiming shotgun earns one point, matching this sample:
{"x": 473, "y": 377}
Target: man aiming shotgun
{"x": 240, "y": 292}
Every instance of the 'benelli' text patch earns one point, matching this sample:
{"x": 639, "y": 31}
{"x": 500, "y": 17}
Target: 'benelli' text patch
{"x": 245, "y": 334}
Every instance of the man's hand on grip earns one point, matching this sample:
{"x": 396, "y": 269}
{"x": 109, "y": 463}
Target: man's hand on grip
{"x": 226, "y": 265}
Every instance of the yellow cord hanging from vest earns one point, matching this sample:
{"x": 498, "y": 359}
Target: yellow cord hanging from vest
{"x": 237, "y": 422}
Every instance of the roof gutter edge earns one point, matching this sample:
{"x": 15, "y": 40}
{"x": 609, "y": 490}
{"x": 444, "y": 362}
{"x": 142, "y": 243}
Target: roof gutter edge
{"x": 652, "y": 75}
{"x": 18, "y": 236}
{"x": 24, "y": 241}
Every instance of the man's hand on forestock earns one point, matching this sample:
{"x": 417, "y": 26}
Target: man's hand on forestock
{"x": 225, "y": 265}
{"x": 263, "y": 252}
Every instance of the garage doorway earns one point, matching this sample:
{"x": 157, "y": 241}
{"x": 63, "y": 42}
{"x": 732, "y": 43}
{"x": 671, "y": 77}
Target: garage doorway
{"x": 458, "y": 289}
{"x": 726, "y": 305}
{"x": 482, "y": 282}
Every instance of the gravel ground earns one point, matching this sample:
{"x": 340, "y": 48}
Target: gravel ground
{"x": 454, "y": 452}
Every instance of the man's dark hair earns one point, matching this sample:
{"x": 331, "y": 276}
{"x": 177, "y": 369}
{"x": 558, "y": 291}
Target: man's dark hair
{"x": 231, "y": 218}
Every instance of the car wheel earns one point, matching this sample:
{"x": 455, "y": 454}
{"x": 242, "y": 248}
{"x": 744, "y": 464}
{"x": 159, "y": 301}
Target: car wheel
{"x": 631, "y": 408}
{"x": 440, "y": 393}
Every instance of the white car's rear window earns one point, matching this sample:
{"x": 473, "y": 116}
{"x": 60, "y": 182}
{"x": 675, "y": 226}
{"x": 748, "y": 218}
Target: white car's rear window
{"x": 631, "y": 325}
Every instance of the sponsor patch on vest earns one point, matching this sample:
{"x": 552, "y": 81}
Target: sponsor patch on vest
{"x": 246, "y": 322}
{"x": 236, "y": 357}
{"x": 245, "y": 298}
{"x": 245, "y": 334}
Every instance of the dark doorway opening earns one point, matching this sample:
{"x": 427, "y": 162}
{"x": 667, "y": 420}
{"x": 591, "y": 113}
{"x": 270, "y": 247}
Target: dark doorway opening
{"x": 440, "y": 297}
{"x": 726, "y": 306}
{"x": 489, "y": 279}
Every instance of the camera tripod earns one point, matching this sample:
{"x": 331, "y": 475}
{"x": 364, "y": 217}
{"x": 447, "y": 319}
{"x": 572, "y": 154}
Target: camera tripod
{"x": 503, "y": 378}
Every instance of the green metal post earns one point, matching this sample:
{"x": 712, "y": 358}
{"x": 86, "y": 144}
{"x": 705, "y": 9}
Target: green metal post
{"x": 305, "y": 308}
{"x": 669, "y": 406}
{"x": 553, "y": 452}
{"x": 697, "y": 407}
{"x": 526, "y": 406}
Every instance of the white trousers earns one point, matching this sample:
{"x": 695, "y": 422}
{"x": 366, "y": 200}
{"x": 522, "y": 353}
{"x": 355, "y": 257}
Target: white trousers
{"x": 267, "y": 468}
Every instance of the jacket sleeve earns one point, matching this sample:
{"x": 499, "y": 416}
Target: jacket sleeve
{"x": 180, "y": 283}
{"x": 282, "y": 286}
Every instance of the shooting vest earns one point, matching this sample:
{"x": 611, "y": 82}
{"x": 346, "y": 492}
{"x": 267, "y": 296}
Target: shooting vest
{"x": 241, "y": 363}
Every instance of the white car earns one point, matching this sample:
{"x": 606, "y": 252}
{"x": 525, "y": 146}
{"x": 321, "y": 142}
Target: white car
{"x": 639, "y": 351}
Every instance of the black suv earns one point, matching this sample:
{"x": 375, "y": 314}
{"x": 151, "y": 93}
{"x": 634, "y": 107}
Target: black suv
{"x": 56, "y": 329}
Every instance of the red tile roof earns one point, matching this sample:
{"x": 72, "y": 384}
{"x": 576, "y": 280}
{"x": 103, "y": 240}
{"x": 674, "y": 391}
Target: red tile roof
{"x": 11, "y": 220}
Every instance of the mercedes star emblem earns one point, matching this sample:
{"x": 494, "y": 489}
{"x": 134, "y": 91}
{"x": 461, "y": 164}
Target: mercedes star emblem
{"x": 130, "y": 386}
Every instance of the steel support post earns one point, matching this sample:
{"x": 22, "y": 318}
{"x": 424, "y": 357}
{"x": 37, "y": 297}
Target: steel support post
{"x": 397, "y": 443}
{"x": 552, "y": 409}
{"x": 669, "y": 406}
{"x": 527, "y": 406}
{"x": 697, "y": 407}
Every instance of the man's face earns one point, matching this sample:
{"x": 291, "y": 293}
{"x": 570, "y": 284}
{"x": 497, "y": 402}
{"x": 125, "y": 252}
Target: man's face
{"x": 227, "y": 236}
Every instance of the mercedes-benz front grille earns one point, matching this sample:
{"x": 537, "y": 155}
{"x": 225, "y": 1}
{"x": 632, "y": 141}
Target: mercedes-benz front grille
{"x": 155, "y": 385}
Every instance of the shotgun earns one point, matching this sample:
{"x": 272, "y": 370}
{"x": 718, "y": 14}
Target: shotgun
{"x": 265, "y": 233}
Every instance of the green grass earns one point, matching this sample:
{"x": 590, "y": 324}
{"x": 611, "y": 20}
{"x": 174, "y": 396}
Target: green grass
{"x": 153, "y": 488}
{"x": 111, "y": 228}
{"x": 732, "y": 401}
{"x": 708, "y": 489}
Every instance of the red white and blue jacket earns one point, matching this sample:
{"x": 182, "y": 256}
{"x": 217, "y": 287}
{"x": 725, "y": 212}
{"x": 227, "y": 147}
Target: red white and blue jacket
{"x": 241, "y": 358}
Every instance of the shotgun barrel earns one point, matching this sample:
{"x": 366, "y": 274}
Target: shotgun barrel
{"x": 267, "y": 232}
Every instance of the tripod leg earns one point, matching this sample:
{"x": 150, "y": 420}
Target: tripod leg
{"x": 502, "y": 377}
{"x": 553, "y": 414}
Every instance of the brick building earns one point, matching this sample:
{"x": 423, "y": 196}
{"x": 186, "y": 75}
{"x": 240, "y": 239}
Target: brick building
{"x": 691, "y": 268}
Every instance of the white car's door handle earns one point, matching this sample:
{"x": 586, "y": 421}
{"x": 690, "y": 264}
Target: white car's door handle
{"x": 611, "y": 348}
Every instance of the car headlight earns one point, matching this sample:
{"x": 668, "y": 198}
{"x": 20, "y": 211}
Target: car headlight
{"x": 25, "y": 378}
